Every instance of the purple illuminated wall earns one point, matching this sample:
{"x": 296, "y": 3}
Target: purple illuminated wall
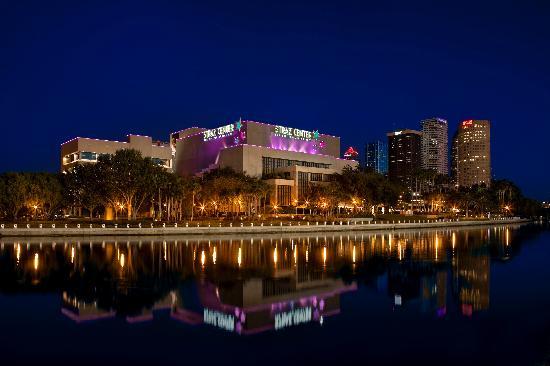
{"x": 194, "y": 155}
{"x": 262, "y": 134}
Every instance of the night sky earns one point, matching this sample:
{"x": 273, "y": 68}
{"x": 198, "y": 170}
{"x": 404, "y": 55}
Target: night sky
{"x": 104, "y": 69}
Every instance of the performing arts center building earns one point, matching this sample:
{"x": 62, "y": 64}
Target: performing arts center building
{"x": 288, "y": 158}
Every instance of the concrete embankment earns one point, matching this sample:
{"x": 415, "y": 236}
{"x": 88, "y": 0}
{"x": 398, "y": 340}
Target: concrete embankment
{"x": 22, "y": 230}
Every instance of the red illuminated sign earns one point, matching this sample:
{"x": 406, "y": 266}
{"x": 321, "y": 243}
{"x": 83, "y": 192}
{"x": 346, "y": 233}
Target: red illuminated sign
{"x": 351, "y": 153}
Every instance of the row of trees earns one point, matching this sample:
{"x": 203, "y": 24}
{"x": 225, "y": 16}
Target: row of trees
{"x": 123, "y": 182}
{"x": 30, "y": 194}
{"x": 367, "y": 189}
{"x": 224, "y": 190}
{"x": 353, "y": 189}
{"x": 127, "y": 184}
{"x": 502, "y": 197}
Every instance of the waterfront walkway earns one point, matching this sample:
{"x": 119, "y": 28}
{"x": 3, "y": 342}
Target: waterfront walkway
{"x": 271, "y": 227}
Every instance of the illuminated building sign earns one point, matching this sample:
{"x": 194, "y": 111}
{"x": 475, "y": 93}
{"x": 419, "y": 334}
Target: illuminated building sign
{"x": 296, "y": 133}
{"x": 467, "y": 123}
{"x": 219, "y": 132}
{"x": 219, "y": 319}
{"x": 351, "y": 153}
{"x": 292, "y": 317}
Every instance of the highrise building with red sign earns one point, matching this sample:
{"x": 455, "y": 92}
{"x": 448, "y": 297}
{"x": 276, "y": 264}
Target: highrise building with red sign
{"x": 473, "y": 153}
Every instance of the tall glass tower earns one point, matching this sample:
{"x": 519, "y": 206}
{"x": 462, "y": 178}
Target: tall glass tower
{"x": 435, "y": 150}
{"x": 376, "y": 156}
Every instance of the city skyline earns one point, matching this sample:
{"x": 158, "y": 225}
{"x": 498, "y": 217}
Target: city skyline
{"x": 355, "y": 71}
{"x": 362, "y": 181}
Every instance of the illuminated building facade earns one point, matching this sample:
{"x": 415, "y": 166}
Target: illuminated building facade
{"x": 473, "y": 153}
{"x": 404, "y": 155}
{"x": 435, "y": 147}
{"x": 290, "y": 159}
{"x": 82, "y": 150}
{"x": 376, "y": 156}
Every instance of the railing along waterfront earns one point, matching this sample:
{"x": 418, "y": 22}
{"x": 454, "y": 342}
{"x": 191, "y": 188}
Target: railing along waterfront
{"x": 217, "y": 227}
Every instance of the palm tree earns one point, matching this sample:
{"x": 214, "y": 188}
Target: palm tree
{"x": 195, "y": 189}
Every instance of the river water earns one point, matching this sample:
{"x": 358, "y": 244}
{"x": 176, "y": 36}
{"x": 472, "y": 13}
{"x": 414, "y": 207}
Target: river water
{"x": 433, "y": 297}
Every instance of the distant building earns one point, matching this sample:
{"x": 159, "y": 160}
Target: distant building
{"x": 376, "y": 156}
{"x": 454, "y": 160}
{"x": 435, "y": 147}
{"x": 404, "y": 155}
{"x": 473, "y": 150}
{"x": 82, "y": 150}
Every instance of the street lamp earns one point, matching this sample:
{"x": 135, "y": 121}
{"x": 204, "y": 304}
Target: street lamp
{"x": 324, "y": 207}
{"x": 275, "y": 208}
{"x": 118, "y": 206}
{"x": 507, "y": 208}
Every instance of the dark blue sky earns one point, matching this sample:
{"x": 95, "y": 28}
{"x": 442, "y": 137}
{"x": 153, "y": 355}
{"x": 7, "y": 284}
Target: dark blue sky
{"x": 354, "y": 69}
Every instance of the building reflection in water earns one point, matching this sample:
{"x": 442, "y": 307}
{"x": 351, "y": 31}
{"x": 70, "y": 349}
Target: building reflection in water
{"x": 257, "y": 284}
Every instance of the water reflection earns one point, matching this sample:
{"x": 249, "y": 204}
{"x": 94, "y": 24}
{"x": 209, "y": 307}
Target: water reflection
{"x": 250, "y": 285}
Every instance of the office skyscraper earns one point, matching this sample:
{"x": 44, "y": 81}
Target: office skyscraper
{"x": 435, "y": 147}
{"x": 404, "y": 155}
{"x": 376, "y": 156}
{"x": 473, "y": 149}
{"x": 454, "y": 160}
